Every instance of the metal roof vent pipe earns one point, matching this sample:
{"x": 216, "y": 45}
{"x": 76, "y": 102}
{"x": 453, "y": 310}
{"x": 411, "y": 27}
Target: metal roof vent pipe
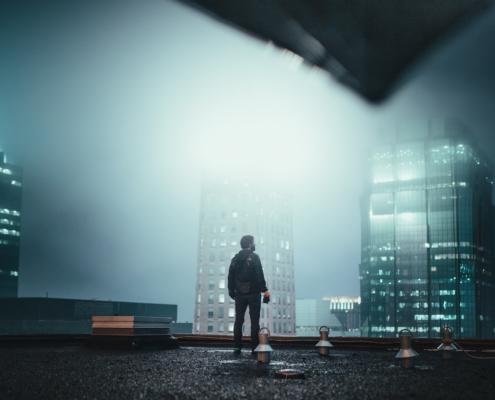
{"x": 264, "y": 349}
{"x": 447, "y": 347}
{"x": 406, "y": 354}
{"x": 324, "y": 344}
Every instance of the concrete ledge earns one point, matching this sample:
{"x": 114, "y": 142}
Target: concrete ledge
{"x": 363, "y": 343}
{"x": 339, "y": 342}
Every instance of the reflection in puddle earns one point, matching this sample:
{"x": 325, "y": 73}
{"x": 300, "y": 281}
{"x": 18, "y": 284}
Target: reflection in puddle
{"x": 222, "y": 351}
{"x": 278, "y": 363}
{"x": 338, "y": 355}
{"x": 230, "y": 361}
{"x": 424, "y": 367}
{"x": 420, "y": 367}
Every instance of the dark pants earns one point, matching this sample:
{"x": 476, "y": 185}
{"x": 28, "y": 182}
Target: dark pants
{"x": 242, "y": 301}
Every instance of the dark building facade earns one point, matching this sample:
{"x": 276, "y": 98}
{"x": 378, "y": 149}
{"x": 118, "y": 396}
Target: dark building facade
{"x": 427, "y": 237}
{"x": 40, "y": 315}
{"x": 10, "y": 224}
{"x": 347, "y": 309}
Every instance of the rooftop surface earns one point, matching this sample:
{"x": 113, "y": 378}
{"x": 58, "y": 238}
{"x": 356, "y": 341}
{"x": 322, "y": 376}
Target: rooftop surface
{"x": 72, "y": 371}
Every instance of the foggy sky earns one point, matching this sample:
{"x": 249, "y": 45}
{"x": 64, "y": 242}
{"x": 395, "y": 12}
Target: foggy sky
{"x": 103, "y": 103}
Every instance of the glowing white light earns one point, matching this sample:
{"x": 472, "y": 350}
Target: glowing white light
{"x": 265, "y": 147}
{"x": 406, "y": 177}
{"x": 407, "y": 216}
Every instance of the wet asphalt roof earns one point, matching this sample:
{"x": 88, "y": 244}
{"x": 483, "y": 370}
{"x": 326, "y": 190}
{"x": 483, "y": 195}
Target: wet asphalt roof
{"x": 74, "y": 372}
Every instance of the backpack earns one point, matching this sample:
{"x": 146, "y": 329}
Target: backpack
{"x": 244, "y": 278}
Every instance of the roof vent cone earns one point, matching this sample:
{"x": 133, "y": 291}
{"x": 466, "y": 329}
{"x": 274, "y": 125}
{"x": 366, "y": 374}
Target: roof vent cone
{"x": 406, "y": 354}
{"x": 264, "y": 349}
{"x": 324, "y": 344}
{"x": 447, "y": 347}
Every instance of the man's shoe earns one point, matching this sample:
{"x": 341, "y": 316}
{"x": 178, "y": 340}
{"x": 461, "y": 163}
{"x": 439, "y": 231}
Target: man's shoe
{"x": 237, "y": 351}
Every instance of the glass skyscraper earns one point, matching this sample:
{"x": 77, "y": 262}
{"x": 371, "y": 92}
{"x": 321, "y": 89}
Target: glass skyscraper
{"x": 427, "y": 236}
{"x": 10, "y": 223}
{"x": 231, "y": 208}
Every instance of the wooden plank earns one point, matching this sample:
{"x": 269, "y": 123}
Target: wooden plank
{"x": 108, "y": 324}
{"x": 130, "y": 318}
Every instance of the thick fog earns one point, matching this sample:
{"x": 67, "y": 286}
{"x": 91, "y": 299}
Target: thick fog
{"x": 114, "y": 109}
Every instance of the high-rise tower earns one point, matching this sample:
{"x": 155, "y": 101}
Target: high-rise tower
{"x": 427, "y": 237}
{"x": 10, "y": 223}
{"x": 231, "y": 208}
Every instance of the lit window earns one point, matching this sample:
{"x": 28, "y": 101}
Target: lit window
{"x": 231, "y": 312}
{"x": 231, "y": 327}
{"x": 221, "y": 284}
{"x": 221, "y": 298}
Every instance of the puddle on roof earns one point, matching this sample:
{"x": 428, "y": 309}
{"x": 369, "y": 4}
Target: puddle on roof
{"x": 234, "y": 361}
{"x": 277, "y": 363}
{"x": 424, "y": 367}
{"x": 420, "y": 367}
{"x": 222, "y": 351}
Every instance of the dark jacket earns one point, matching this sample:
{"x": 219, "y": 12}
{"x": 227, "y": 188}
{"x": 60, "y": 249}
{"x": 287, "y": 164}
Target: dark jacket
{"x": 239, "y": 272}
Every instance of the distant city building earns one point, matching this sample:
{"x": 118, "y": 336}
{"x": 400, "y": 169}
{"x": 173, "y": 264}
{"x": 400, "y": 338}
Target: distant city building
{"x": 427, "y": 236}
{"x": 10, "y": 226}
{"x": 42, "y": 315}
{"x": 311, "y": 314}
{"x": 182, "y": 327}
{"x": 229, "y": 210}
{"x": 347, "y": 309}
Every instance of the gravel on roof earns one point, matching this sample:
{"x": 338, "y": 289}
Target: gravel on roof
{"x": 77, "y": 372}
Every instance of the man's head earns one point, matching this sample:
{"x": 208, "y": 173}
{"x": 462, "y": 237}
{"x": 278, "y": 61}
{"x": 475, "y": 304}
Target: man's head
{"x": 247, "y": 242}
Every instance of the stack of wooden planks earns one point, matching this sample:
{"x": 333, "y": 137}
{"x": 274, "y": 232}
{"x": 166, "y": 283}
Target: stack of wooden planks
{"x": 123, "y": 325}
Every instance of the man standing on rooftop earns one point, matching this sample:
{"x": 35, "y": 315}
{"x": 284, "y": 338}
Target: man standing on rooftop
{"x": 246, "y": 282}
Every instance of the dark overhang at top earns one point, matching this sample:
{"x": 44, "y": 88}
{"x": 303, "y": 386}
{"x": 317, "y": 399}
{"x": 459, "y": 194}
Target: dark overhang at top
{"x": 365, "y": 44}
